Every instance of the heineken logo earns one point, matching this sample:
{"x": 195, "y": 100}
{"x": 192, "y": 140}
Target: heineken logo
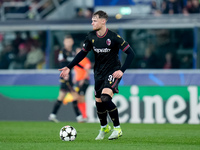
{"x": 176, "y": 105}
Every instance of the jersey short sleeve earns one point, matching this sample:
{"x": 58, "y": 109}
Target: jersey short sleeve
{"x": 122, "y": 44}
{"x": 87, "y": 45}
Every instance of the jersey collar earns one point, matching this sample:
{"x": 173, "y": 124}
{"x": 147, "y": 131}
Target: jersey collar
{"x": 102, "y": 35}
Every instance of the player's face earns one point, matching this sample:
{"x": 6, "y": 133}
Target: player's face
{"x": 68, "y": 43}
{"x": 97, "y": 22}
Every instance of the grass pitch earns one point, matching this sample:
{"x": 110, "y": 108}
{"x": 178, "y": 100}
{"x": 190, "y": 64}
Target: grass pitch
{"x": 45, "y": 136}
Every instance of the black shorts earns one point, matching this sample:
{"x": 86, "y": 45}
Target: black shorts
{"x": 106, "y": 82}
{"x": 66, "y": 85}
{"x": 82, "y": 89}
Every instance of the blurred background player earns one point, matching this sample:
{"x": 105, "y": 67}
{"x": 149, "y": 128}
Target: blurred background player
{"x": 81, "y": 80}
{"x": 65, "y": 56}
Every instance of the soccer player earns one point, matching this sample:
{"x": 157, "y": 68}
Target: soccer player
{"x": 107, "y": 70}
{"x": 66, "y": 55}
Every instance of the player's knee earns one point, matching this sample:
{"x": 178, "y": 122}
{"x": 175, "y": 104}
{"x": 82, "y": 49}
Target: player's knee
{"x": 105, "y": 98}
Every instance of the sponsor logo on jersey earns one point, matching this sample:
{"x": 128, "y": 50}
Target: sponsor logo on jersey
{"x": 101, "y": 50}
{"x": 108, "y": 42}
{"x": 92, "y": 40}
{"x": 122, "y": 43}
{"x": 118, "y": 36}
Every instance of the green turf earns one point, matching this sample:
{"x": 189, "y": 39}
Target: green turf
{"x": 45, "y": 136}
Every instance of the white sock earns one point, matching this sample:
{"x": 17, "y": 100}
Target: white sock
{"x": 117, "y": 127}
{"x": 103, "y": 126}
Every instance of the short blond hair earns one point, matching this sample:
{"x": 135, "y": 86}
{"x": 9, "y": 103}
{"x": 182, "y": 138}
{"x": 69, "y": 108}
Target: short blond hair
{"x": 101, "y": 14}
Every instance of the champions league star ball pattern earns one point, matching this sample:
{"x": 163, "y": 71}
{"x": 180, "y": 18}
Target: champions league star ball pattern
{"x": 68, "y": 133}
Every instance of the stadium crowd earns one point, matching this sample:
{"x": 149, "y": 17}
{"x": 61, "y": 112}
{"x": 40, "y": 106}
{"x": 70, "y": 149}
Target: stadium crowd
{"x": 29, "y": 7}
{"x": 171, "y": 7}
{"x": 157, "y": 7}
{"x": 23, "y": 53}
{"x": 29, "y": 52}
{"x": 160, "y": 51}
{"x": 167, "y": 52}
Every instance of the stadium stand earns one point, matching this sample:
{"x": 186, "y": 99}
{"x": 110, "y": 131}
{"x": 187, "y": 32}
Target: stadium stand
{"x": 164, "y": 36}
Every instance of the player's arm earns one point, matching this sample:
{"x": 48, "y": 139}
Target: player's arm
{"x": 80, "y": 66}
{"x": 129, "y": 58}
{"x": 125, "y": 47}
{"x": 87, "y": 46}
{"x": 75, "y": 61}
{"x": 82, "y": 54}
{"x": 130, "y": 55}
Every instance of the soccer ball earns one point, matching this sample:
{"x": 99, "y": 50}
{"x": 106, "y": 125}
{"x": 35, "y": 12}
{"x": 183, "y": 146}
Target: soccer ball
{"x": 68, "y": 133}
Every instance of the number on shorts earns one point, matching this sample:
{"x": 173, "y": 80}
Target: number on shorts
{"x": 110, "y": 78}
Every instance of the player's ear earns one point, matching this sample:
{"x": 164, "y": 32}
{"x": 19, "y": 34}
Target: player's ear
{"x": 104, "y": 21}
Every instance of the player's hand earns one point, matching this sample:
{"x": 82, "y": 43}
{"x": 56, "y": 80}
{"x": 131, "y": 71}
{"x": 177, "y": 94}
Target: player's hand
{"x": 65, "y": 72}
{"x": 66, "y": 78}
{"x": 117, "y": 74}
